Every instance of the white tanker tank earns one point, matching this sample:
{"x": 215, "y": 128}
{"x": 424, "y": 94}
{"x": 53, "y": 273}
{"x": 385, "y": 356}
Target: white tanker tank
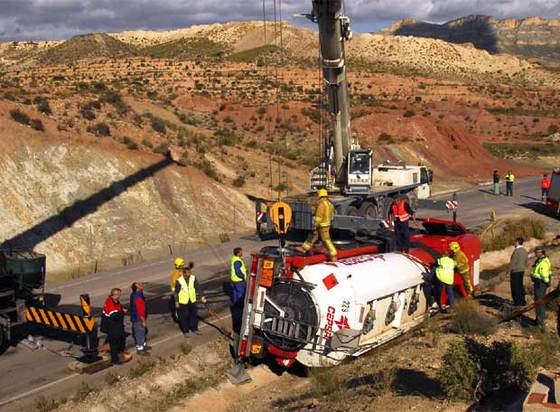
{"x": 344, "y": 308}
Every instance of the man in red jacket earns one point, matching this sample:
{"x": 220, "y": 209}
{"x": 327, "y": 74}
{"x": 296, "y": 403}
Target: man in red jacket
{"x": 112, "y": 323}
{"x": 545, "y": 187}
{"x": 139, "y": 318}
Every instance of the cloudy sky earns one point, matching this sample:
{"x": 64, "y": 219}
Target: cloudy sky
{"x": 55, "y": 19}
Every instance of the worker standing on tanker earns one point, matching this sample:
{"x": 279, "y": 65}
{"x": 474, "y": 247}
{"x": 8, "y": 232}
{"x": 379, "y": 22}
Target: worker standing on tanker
{"x": 510, "y": 178}
{"x": 322, "y": 225}
{"x": 496, "y": 179}
{"x": 445, "y": 274}
{"x": 541, "y": 275}
{"x": 177, "y": 272}
{"x": 112, "y": 323}
{"x": 186, "y": 296}
{"x": 545, "y": 187}
{"x": 462, "y": 265}
{"x": 238, "y": 278}
{"x": 401, "y": 212}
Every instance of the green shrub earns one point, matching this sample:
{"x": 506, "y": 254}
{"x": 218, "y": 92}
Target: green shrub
{"x": 409, "y": 113}
{"x": 158, "y": 125}
{"x": 87, "y": 114}
{"x": 141, "y": 368}
{"x": 162, "y": 148}
{"x": 239, "y": 181}
{"x": 131, "y": 144}
{"x": 208, "y": 168}
{"x": 511, "y": 229}
{"x": 472, "y": 370}
{"x": 325, "y": 381}
{"x": 147, "y": 143}
{"x": 100, "y": 129}
{"x": 20, "y": 117}
{"x": 470, "y": 321}
{"x": 386, "y": 138}
{"x": 43, "y": 105}
{"x": 37, "y": 124}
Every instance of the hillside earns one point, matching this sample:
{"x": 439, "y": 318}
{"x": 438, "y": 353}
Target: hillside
{"x": 533, "y": 38}
{"x": 87, "y": 46}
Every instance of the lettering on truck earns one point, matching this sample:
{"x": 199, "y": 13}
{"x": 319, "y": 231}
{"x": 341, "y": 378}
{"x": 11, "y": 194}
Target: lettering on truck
{"x": 327, "y": 334}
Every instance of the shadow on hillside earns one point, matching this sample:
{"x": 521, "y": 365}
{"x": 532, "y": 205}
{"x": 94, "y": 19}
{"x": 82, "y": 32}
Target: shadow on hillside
{"x": 80, "y": 209}
{"x": 474, "y": 30}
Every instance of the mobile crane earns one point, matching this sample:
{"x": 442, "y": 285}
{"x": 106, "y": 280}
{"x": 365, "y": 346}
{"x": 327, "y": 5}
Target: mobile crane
{"x": 357, "y": 188}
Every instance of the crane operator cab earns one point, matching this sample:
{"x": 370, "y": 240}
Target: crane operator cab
{"x": 360, "y": 168}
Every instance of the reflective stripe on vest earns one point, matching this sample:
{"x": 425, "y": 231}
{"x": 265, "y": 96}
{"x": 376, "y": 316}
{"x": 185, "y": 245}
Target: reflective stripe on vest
{"x": 187, "y": 293}
{"x": 399, "y": 211}
{"x": 234, "y": 277}
{"x": 445, "y": 271}
{"x": 542, "y": 269}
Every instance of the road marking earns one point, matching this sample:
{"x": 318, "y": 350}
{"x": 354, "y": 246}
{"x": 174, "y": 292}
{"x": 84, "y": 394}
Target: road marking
{"x": 73, "y": 375}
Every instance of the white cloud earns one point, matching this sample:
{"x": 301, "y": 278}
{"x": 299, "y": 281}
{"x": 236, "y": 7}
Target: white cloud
{"x": 21, "y": 19}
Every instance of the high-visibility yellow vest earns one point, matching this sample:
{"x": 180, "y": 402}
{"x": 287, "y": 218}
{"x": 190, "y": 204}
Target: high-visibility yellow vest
{"x": 234, "y": 277}
{"x": 542, "y": 269}
{"x": 324, "y": 213}
{"x": 187, "y": 293}
{"x": 445, "y": 270}
{"x": 510, "y": 177}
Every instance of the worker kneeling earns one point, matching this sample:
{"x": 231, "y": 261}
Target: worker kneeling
{"x": 462, "y": 265}
{"x": 322, "y": 225}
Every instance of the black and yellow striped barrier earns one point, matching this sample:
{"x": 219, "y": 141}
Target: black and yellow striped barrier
{"x": 60, "y": 320}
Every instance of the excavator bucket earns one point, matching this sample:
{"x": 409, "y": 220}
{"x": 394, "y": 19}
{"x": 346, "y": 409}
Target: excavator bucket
{"x": 238, "y": 375}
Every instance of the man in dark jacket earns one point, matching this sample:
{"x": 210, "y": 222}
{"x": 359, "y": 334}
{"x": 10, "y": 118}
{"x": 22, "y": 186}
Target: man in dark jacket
{"x": 139, "y": 318}
{"x": 112, "y": 323}
{"x": 517, "y": 266}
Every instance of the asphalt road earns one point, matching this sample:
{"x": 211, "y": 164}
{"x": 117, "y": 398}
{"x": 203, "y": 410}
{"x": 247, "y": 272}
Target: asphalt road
{"x": 30, "y": 374}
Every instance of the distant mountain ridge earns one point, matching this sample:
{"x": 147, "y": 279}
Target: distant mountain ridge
{"x": 533, "y": 38}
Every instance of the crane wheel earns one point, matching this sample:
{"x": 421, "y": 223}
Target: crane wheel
{"x": 369, "y": 210}
{"x": 352, "y": 211}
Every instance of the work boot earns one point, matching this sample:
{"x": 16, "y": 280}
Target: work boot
{"x": 197, "y": 332}
{"x": 142, "y": 352}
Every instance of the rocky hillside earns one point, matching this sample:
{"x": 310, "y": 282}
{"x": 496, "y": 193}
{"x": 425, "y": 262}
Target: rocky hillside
{"x": 533, "y": 38}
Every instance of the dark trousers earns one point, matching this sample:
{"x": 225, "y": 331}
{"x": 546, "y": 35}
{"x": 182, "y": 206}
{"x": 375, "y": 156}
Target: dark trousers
{"x": 237, "y": 315}
{"x": 517, "y": 289}
{"x": 436, "y": 287}
{"x": 544, "y": 194}
{"x": 403, "y": 235}
{"x": 540, "y": 292}
{"x": 509, "y": 188}
{"x": 188, "y": 317}
{"x": 116, "y": 344}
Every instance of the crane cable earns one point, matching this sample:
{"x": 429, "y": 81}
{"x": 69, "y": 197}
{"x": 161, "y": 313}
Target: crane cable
{"x": 265, "y": 66}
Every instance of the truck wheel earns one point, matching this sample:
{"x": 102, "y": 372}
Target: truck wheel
{"x": 352, "y": 211}
{"x": 369, "y": 210}
{"x": 384, "y": 206}
{"x": 4, "y": 341}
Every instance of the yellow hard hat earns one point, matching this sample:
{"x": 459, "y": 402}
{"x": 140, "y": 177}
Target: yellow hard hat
{"x": 179, "y": 263}
{"x": 454, "y": 246}
{"x": 322, "y": 193}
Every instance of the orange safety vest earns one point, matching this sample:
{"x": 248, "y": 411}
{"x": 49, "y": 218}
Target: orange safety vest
{"x": 545, "y": 183}
{"x": 399, "y": 211}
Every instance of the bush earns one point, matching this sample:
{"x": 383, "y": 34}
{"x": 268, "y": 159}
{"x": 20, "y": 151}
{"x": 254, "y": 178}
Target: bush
{"x": 386, "y": 138}
{"x": 472, "y": 370}
{"x": 87, "y": 114}
{"x": 208, "y": 168}
{"x": 162, "y": 148}
{"x": 158, "y": 125}
{"x": 409, "y": 113}
{"x": 43, "y": 105}
{"x": 100, "y": 129}
{"x": 553, "y": 129}
{"x": 147, "y": 143}
{"x": 239, "y": 181}
{"x": 527, "y": 228}
{"x": 141, "y": 368}
{"x": 131, "y": 144}
{"x": 470, "y": 321}
{"x": 20, "y": 117}
{"x": 37, "y": 124}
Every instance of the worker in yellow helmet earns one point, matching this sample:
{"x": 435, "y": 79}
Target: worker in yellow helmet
{"x": 322, "y": 220}
{"x": 176, "y": 274}
{"x": 462, "y": 265}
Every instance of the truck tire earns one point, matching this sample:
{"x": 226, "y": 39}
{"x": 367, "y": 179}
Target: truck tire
{"x": 4, "y": 341}
{"x": 384, "y": 206}
{"x": 369, "y": 210}
{"x": 352, "y": 211}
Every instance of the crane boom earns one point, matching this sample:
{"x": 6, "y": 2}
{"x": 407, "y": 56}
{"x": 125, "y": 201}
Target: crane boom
{"x": 334, "y": 29}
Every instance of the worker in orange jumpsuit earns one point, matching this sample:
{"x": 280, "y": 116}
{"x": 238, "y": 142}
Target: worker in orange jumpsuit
{"x": 545, "y": 187}
{"x": 322, "y": 225}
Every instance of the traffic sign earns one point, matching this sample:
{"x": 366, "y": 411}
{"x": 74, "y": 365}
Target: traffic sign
{"x": 452, "y": 204}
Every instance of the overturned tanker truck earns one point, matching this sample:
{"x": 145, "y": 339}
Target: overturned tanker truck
{"x": 306, "y": 309}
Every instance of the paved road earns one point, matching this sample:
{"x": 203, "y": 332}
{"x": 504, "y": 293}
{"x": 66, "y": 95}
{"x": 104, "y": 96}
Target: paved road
{"x": 45, "y": 372}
